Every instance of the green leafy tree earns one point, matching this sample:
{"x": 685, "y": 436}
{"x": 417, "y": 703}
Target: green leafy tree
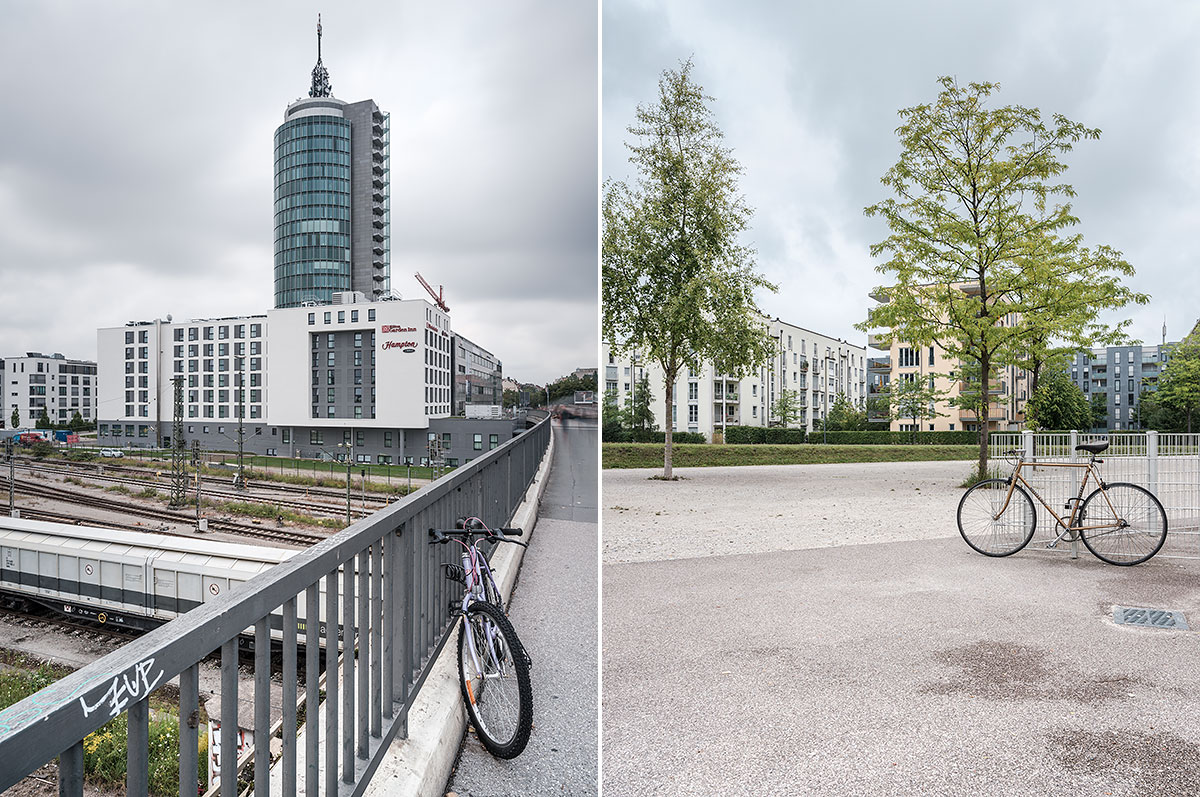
{"x": 914, "y": 399}
{"x": 678, "y": 285}
{"x": 978, "y": 223}
{"x": 1058, "y": 404}
{"x": 510, "y": 398}
{"x": 612, "y": 418}
{"x": 1099, "y": 410}
{"x": 77, "y": 423}
{"x": 43, "y": 421}
{"x": 16, "y": 418}
{"x": 1179, "y": 384}
{"x": 786, "y": 408}
{"x": 639, "y": 414}
{"x": 843, "y": 416}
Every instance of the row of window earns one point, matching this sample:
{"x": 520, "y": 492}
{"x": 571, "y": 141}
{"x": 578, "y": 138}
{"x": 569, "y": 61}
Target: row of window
{"x": 303, "y": 212}
{"x": 193, "y": 366}
{"x": 341, "y": 319}
{"x": 306, "y": 194}
{"x": 334, "y": 259}
{"x": 313, "y": 125}
{"x": 222, "y": 332}
{"x": 358, "y": 412}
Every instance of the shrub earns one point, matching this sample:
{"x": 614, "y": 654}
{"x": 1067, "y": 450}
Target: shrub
{"x": 763, "y": 435}
{"x": 885, "y": 437}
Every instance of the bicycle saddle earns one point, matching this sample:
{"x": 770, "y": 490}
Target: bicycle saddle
{"x": 1093, "y": 448}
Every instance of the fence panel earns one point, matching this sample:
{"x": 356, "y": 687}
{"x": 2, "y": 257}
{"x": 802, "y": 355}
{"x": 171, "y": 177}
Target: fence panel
{"x": 1166, "y": 464}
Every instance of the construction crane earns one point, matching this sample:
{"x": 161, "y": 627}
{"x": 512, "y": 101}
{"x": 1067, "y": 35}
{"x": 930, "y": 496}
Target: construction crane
{"x": 437, "y": 297}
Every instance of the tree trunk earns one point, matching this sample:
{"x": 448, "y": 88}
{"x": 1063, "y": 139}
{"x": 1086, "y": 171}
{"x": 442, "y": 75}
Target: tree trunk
{"x": 668, "y": 425}
{"x": 983, "y": 413}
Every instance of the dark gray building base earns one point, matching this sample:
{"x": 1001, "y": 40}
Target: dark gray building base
{"x": 460, "y": 440}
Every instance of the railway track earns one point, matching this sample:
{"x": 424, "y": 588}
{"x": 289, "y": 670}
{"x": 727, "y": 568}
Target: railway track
{"x": 264, "y": 484}
{"x": 217, "y": 524}
{"x": 304, "y": 507}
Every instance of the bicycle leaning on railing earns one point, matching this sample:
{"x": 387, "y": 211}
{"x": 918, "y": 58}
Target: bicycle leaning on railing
{"x": 1121, "y": 524}
{"x": 493, "y": 667}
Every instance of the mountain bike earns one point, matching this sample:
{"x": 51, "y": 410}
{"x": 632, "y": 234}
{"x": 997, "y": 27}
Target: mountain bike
{"x": 493, "y": 667}
{"x": 1121, "y": 524}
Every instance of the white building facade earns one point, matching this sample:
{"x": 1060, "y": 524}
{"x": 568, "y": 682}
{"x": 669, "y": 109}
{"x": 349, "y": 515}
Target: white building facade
{"x": 371, "y": 381}
{"x": 815, "y": 367}
{"x": 50, "y": 382}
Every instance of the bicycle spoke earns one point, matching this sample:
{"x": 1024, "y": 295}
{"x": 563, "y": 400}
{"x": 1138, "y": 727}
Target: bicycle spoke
{"x": 1133, "y": 524}
{"x": 991, "y": 522}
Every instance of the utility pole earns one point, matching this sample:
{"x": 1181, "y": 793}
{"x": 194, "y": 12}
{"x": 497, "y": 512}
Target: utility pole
{"x": 178, "y": 465}
{"x": 241, "y": 411}
{"x": 8, "y": 447}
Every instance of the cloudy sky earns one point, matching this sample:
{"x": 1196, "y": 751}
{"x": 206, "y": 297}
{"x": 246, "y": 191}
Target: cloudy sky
{"x": 136, "y": 162}
{"x": 807, "y": 95}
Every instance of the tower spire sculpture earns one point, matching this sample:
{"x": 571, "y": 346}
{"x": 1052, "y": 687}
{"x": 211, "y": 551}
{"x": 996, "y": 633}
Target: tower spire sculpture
{"x": 321, "y": 87}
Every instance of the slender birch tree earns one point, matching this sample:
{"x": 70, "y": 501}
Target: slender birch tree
{"x": 678, "y": 283}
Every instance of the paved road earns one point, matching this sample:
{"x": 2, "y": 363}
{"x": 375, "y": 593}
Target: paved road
{"x": 913, "y": 667}
{"x": 554, "y": 611}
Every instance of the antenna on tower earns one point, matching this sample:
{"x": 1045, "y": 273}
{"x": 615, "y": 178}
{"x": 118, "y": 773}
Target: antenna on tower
{"x": 1164, "y": 330}
{"x": 321, "y": 87}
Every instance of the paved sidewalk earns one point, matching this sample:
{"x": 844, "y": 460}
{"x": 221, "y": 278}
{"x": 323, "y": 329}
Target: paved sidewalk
{"x": 554, "y": 611}
{"x": 903, "y": 667}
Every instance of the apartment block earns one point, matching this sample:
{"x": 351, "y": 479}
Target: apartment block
{"x": 50, "y": 382}
{"x": 815, "y": 367}
{"x": 1121, "y": 374}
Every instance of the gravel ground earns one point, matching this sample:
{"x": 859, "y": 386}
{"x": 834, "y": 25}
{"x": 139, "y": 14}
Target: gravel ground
{"x": 760, "y": 508}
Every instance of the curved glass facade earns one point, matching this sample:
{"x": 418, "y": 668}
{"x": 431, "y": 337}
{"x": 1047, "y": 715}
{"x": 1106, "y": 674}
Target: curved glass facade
{"x": 312, "y": 210}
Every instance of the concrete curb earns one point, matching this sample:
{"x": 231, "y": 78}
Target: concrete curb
{"x": 420, "y": 765}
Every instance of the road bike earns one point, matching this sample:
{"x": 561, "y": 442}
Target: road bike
{"x": 493, "y": 666}
{"x": 1120, "y": 523}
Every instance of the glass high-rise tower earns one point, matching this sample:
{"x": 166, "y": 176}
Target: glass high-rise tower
{"x": 332, "y": 217}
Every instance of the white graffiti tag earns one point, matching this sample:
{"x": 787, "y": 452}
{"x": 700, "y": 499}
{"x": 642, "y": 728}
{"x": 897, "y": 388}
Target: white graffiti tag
{"x": 126, "y": 687}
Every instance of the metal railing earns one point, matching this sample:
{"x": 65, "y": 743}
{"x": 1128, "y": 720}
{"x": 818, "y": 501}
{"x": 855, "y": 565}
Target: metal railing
{"x": 1166, "y": 464}
{"x": 377, "y": 589}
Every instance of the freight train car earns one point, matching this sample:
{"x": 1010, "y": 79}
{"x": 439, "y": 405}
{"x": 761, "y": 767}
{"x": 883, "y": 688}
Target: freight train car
{"x": 121, "y": 578}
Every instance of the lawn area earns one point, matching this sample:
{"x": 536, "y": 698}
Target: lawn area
{"x": 697, "y": 455}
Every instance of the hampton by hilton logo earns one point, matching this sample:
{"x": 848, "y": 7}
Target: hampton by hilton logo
{"x": 390, "y": 328}
{"x": 407, "y": 346}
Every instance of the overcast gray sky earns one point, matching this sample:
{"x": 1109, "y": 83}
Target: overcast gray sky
{"x": 136, "y": 162}
{"x": 807, "y": 95}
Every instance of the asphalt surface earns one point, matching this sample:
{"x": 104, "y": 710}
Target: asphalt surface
{"x": 554, "y": 611}
{"x": 913, "y": 667}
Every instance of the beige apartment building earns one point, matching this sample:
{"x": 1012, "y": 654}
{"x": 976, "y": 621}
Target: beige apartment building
{"x": 1009, "y": 389}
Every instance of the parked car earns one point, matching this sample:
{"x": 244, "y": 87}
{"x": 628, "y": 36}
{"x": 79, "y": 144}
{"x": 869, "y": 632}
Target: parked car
{"x": 111, "y": 452}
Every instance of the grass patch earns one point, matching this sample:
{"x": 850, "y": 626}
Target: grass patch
{"x": 117, "y": 488}
{"x": 689, "y": 455}
{"x": 973, "y": 478}
{"x": 149, "y": 492}
{"x": 273, "y": 512}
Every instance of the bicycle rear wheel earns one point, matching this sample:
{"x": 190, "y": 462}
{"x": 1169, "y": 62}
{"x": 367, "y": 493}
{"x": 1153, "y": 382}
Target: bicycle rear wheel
{"x": 1133, "y": 524}
{"x": 985, "y": 528}
{"x": 498, "y": 693}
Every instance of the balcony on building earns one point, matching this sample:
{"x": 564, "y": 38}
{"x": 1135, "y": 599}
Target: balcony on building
{"x": 880, "y": 341}
{"x": 880, "y": 365}
{"x": 879, "y": 295}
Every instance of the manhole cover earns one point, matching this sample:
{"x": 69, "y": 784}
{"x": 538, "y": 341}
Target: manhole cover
{"x": 1151, "y": 618}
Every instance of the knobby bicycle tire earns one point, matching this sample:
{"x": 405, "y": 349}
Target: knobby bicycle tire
{"x": 1139, "y": 528}
{"x": 501, "y": 726}
{"x": 996, "y": 536}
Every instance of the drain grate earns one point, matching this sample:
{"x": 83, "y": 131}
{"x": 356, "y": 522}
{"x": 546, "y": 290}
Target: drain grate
{"x": 1150, "y": 618}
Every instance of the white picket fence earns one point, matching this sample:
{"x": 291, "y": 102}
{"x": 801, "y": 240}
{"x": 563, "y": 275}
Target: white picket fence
{"x": 1166, "y": 464}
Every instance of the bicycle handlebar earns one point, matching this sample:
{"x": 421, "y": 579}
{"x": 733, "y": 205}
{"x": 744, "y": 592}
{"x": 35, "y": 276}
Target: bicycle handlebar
{"x": 441, "y": 536}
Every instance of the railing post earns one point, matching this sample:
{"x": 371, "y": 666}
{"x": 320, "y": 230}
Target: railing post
{"x": 229, "y": 717}
{"x": 1152, "y": 460}
{"x": 137, "y": 754}
{"x": 262, "y": 706}
{"x": 1027, "y": 443}
{"x": 70, "y": 771}
{"x": 189, "y": 726}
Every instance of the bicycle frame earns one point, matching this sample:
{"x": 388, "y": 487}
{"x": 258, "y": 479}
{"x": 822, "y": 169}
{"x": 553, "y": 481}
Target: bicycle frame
{"x": 1068, "y": 526}
{"x": 474, "y": 565}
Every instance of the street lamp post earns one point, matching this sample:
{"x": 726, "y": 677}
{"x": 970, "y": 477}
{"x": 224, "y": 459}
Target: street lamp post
{"x": 8, "y": 447}
{"x": 349, "y": 446}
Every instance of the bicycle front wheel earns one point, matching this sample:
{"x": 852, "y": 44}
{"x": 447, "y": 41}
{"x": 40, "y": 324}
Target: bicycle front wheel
{"x": 493, "y": 674}
{"x": 989, "y": 525}
{"x": 1123, "y": 524}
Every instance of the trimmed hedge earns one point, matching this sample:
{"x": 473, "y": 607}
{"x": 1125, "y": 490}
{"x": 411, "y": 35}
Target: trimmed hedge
{"x": 619, "y": 435}
{"x": 883, "y": 437}
{"x": 763, "y": 435}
